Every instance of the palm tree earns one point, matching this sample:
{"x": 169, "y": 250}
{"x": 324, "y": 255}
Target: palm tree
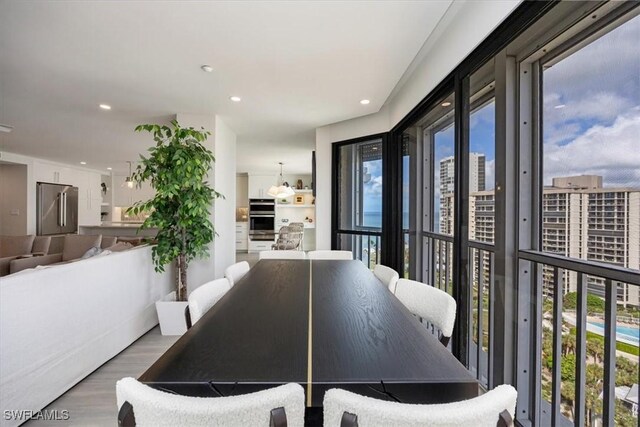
{"x": 568, "y": 344}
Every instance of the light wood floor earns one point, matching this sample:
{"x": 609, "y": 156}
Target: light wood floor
{"x": 92, "y": 402}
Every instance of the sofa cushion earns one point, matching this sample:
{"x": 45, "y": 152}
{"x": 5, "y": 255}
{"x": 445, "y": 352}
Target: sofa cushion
{"x": 119, "y": 247}
{"x": 76, "y": 245}
{"x": 26, "y": 263}
{"x": 41, "y": 245}
{"x": 108, "y": 241}
{"x": 91, "y": 253}
{"x": 15, "y": 245}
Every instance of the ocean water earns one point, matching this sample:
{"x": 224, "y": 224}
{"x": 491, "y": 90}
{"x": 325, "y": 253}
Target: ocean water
{"x": 374, "y": 219}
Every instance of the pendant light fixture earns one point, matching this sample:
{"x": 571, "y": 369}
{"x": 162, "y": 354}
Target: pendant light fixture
{"x": 283, "y": 189}
{"x": 129, "y": 179}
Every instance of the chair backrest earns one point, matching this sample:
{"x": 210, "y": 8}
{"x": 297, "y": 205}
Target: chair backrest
{"x": 336, "y": 255}
{"x": 346, "y": 409}
{"x": 296, "y": 226}
{"x": 289, "y": 238}
{"x": 281, "y": 255}
{"x": 429, "y": 303}
{"x": 206, "y": 296}
{"x": 236, "y": 272}
{"x": 387, "y": 275}
{"x": 142, "y": 405}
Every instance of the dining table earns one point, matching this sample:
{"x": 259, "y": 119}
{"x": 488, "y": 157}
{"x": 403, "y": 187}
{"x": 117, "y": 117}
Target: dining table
{"x": 320, "y": 323}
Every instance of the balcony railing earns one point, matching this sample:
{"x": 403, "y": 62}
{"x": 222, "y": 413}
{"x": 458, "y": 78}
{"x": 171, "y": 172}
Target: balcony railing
{"x": 365, "y": 245}
{"x": 481, "y": 263}
{"x": 582, "y": 354}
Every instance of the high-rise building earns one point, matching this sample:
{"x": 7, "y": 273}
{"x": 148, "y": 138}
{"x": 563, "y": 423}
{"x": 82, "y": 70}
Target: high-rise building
{"x": 477, "y": 177}
{"x": 581, "y": 219}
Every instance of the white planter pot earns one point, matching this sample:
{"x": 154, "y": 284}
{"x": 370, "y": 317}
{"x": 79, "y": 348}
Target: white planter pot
{"x": 171, "y": 315}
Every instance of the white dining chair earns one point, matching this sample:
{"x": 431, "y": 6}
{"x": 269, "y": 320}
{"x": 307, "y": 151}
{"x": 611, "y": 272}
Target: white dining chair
{"x": 282, "y": 255}
{"x": 494, "y": 408}
{"x": 335, "y": 255}
{"x": 429, "y": 303}
{"x": 140, "y": 405}
{"x": 203, "y": 298}
{"x": 236, "y": 272}
{"x": 387, "y": 275}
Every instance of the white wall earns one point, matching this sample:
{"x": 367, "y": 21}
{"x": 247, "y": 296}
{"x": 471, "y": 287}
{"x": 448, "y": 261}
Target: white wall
{"x": 13, "y": 199}
{"x": 465, "y": 25}
{"x": 225, "y": 209}
{"x": 222, "y": 251}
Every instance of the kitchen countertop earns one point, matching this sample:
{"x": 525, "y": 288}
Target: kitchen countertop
{"x": 123, "y": 229}
{"x": 117, "y": 225}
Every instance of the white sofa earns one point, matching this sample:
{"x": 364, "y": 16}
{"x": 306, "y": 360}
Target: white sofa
{"x": 58, "y": 324}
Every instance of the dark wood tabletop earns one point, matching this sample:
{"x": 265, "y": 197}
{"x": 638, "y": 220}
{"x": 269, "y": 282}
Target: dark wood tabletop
{"x": 322, "y": 324}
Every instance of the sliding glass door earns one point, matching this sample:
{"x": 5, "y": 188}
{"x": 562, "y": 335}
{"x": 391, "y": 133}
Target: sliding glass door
{"x": 357, "y": 222}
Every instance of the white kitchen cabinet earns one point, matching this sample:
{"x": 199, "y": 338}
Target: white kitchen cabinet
{"x": 242, "y": 236}
{"x": 260, "y": 245}
{"x": 260, "y": 184}
{"x": 89, "y": 197}
{"x": 54, "y": 173}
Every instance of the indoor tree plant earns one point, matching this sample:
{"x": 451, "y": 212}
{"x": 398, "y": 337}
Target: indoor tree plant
{"x": 177, "y": 168}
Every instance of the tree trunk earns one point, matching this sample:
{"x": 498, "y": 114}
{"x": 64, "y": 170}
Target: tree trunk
{"x": 182, "y": 278}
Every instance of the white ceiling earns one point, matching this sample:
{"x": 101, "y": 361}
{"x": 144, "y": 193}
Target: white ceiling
{"x": 296, "y": 65}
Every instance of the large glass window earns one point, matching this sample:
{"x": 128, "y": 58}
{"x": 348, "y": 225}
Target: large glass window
{"x": 359, "y": 182}
{"x": 428, "y": 158}
{"x": 590, "y": 207}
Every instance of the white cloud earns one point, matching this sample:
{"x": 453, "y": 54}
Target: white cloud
{"x": 600, "y": 106}
{"x": 374, "y": 187}
{"x": 610, "y": 151}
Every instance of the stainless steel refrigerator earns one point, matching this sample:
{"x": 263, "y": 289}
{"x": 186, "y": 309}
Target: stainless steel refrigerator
{"x": 57, "y": 208}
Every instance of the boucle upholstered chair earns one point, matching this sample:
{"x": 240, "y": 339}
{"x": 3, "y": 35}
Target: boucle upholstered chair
{"x": 335, "y": 255}
{"x": 140, "y": 405}
{"x": 387, "y": 275}
{"x": 429, "y": 303}
{"x": 203, "y": 298}
{"x": 282, "y": 255}
{"x": 236, "y": 272}
{"x": 346, "y": 409}
{"x": 289, "y": 238}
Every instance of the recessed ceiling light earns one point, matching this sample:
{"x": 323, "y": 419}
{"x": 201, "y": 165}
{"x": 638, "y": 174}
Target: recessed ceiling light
{"x": 105, "y": 106}
{"x": 109, "y": 169}
{"x": 235, "y": 98}
{"x": 207, "y": 68}
{"x": 364, "y": 101}
{"x": 83, "y": 163}
{"x": 446, "y": 104}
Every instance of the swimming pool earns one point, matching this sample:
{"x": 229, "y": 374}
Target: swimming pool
{"x": 627, "y": 332}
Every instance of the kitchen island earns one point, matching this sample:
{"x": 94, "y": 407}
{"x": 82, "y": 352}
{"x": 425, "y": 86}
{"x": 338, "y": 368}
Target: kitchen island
{"x": 120, "y": 229}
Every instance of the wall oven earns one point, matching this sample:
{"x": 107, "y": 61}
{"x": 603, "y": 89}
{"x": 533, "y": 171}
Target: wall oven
{"x": 262, "y": 219}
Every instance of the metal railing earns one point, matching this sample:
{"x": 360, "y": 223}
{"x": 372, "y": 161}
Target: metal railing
{"x": 437, "y": 263}
{"x": 365, "y": 245}
{"x": 481, "y": 319}
{"x": 581, "y": 357}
